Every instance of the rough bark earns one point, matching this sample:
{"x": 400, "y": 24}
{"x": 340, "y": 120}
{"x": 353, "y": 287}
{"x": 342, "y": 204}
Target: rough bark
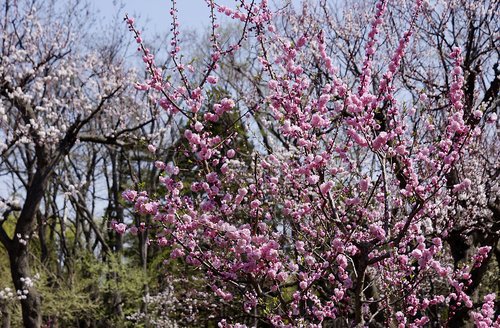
{"x": 31, "y": 305}
{"x": 18, "y": 250}
{"x": 5, "y": 315}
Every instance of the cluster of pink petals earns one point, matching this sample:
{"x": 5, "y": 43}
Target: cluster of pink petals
{"x": 310, "y": 215}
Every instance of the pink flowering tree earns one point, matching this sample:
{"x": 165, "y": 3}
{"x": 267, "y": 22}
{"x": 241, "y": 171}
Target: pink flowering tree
{"x": 347, "y": 208}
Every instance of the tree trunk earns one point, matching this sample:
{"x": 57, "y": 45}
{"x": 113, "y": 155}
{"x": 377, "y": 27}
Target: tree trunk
{"x": 361, "y": 264}
{"x": 31, "y": 305}
{"x": 18, "y": 250}
{"x": 143, "y": 237}
{"x": 5, "y": 313}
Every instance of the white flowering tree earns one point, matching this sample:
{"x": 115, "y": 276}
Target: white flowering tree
{"x": 65, "y": 104}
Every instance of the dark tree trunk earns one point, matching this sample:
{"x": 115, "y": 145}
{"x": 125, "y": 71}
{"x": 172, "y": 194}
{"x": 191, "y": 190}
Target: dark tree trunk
{"x": 31, "y": 305}
{"x": 18, "y": 249}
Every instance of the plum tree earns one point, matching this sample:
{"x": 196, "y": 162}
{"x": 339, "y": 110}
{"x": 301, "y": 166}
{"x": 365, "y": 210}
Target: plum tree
{"x": 372, "y": 169}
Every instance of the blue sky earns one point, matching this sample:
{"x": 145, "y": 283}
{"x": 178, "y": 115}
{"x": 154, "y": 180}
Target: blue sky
{"x": 154, "y": 14}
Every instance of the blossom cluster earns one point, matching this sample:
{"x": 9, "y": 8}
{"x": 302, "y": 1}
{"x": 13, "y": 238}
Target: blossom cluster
{"x": 346, "y": 217}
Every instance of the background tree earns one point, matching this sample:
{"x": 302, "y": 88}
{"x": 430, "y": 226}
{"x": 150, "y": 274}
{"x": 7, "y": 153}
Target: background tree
{"x": 69, "y": 117}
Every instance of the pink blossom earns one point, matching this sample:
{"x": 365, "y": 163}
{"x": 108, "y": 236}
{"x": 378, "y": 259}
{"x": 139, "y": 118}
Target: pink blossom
{"x": 119, "y": 228}
{"x": 133, "y": 230}
{"x": 255, "y": 203}
{"x": 129, "y": 195}
{"x": 325, "y": 187}
{"x": 380, "y": 140}
{"x": 312, "y": 179}
{"x": 212, "y": 79}
{"x": 230, "y": 153}
{"x": 152, "y": 149}
{"x": 364, "y": 184}
{"x": 492, "y": 118}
